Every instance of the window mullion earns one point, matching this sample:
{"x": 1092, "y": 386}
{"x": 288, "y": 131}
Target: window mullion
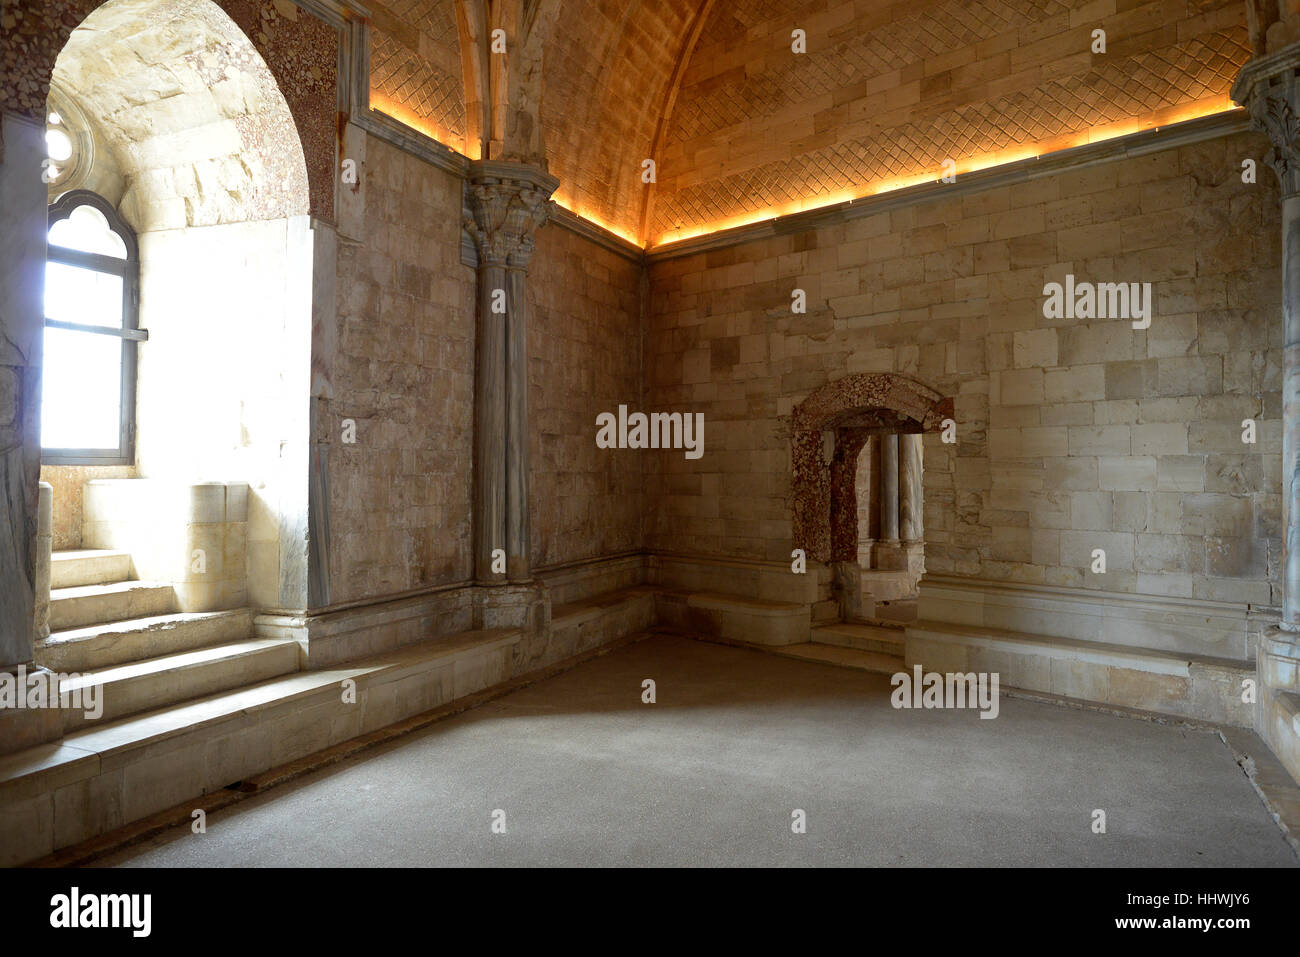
{"x": 135, "y": 335}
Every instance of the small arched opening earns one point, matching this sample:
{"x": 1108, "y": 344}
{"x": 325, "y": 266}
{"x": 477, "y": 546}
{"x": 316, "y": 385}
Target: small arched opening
{"x": 857, "y": 460}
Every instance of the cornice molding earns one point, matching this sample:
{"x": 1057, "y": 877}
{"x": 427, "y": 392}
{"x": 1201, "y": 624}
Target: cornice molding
{"x": 567, "y": 219}
{"x": 423, "y": 147}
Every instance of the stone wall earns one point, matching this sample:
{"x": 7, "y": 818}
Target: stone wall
{"x": 585, "y": 348}
{"x": 1073, "y": 434}
{"x": 68, "y": 483}
{"x": 400, "y": 366}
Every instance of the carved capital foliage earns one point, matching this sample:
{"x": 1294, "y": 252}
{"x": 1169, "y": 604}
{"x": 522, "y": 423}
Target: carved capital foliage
{"x": 1269, "y": 88}
{"x": 1273, "y": 111}
{"x": 507, "y": 205}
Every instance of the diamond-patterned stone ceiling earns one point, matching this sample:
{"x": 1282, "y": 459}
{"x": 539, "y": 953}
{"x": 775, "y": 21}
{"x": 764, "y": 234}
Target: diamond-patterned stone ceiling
{"x": 884, "y": 94}
{"x": 415, "y": 71}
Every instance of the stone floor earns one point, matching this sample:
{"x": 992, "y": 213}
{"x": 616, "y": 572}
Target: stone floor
{"x": 588, "y": 775}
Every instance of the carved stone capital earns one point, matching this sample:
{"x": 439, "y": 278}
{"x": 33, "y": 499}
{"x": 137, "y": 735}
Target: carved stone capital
{"x": 507, "y": 204}
{"x": 1269, "y": 88}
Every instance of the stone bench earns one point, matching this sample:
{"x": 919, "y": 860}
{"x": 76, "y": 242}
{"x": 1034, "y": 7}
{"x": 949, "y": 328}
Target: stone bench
{"x": 1147, "y": 679}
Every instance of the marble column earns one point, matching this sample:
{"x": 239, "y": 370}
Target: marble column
{"x": 909, "y": 456}
{"x": 865, "y": 485}
{"x": 1267, "y": 86}
{"x": 44, "y": 557}
{"x": 23, "y": 221}
{"x": 508, "y": 202}
{"x": 889, "y": 488}
{"x": 888, "y": 555}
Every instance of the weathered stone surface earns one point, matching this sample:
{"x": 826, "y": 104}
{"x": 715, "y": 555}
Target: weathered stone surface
{"x": 1150, "y": 440}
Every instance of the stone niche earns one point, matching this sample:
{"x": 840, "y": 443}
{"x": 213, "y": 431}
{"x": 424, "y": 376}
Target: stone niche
{"x": 192, "y": 536}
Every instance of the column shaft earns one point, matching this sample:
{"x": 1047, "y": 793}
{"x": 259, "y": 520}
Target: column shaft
{"x": 889, "y": 488}
{"x": 507, "y": 203}
{"x": 516, "y": 447}
{"x": 909, "y": 454}
{"x": 865, "y": 488}
{"x": 1291, "y": 412}
{"x": 490, "y": 424}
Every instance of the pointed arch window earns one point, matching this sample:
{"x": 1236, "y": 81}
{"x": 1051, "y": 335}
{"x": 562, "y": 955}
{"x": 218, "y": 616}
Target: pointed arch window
{"x": 92, "y": 283}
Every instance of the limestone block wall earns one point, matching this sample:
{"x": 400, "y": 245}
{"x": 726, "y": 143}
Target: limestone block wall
{"x": 1073, "y": 434}
{"x": 585, "y": 358}
{"x": 192, "y": 536}
{"x": 67, "y": 483}
{"x": 398, "y": 366}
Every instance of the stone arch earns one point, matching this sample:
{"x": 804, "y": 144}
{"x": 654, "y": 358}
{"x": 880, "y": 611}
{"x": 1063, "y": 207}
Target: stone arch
{"x": 298, "y": 50}
{"x": 196, "y": 121}
{"x": 822, "y": 480}
{"x": 209, "y": 168}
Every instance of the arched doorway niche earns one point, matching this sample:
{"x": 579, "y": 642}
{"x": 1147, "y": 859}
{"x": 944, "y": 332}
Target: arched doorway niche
{"x": 195, "y": 147}
{"x": 857, "y": 485}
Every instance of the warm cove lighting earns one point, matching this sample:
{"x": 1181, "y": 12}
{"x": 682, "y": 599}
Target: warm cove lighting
{"x": 1100, "y": 134}
{"x": 1210, "y": 106}
{"x": 390, "y": 108}
{"x": 583, "y": 212}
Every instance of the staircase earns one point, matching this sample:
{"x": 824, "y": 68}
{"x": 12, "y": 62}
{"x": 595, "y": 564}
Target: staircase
{"x": 866, "y": 647}
{"x": 193, "y": 704}
{"x": 127, "y": 637}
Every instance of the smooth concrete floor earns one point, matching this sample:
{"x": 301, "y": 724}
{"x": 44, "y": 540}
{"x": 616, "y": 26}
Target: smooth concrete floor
{"x": 588, "y": 775}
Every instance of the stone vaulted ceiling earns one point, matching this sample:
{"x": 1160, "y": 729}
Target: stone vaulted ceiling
{"x": 608, "y": 69}
{"x": 742, "y": 128}
{"x": 415, "y": 67}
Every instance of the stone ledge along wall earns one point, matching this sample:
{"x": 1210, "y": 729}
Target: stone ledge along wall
{"x": 584, "y": 344}
{"x": 1072, "y": 434}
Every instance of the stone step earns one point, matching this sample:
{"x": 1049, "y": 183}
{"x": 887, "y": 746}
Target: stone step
{"x": 825, "y": 611}
{"x": 900, "y": 610}
{"x": 89, "y": 566}
{"x": 845, "y": 657}
{"x": 756, "y": 621}
{"x": 103, "y": 604}
{"x": 879, "y": 585}
{"x": 102, "y": 646}
{"x": 107, "y": 775}
{"x": 157, "y": 682}
{"x": 864, "y": 637}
